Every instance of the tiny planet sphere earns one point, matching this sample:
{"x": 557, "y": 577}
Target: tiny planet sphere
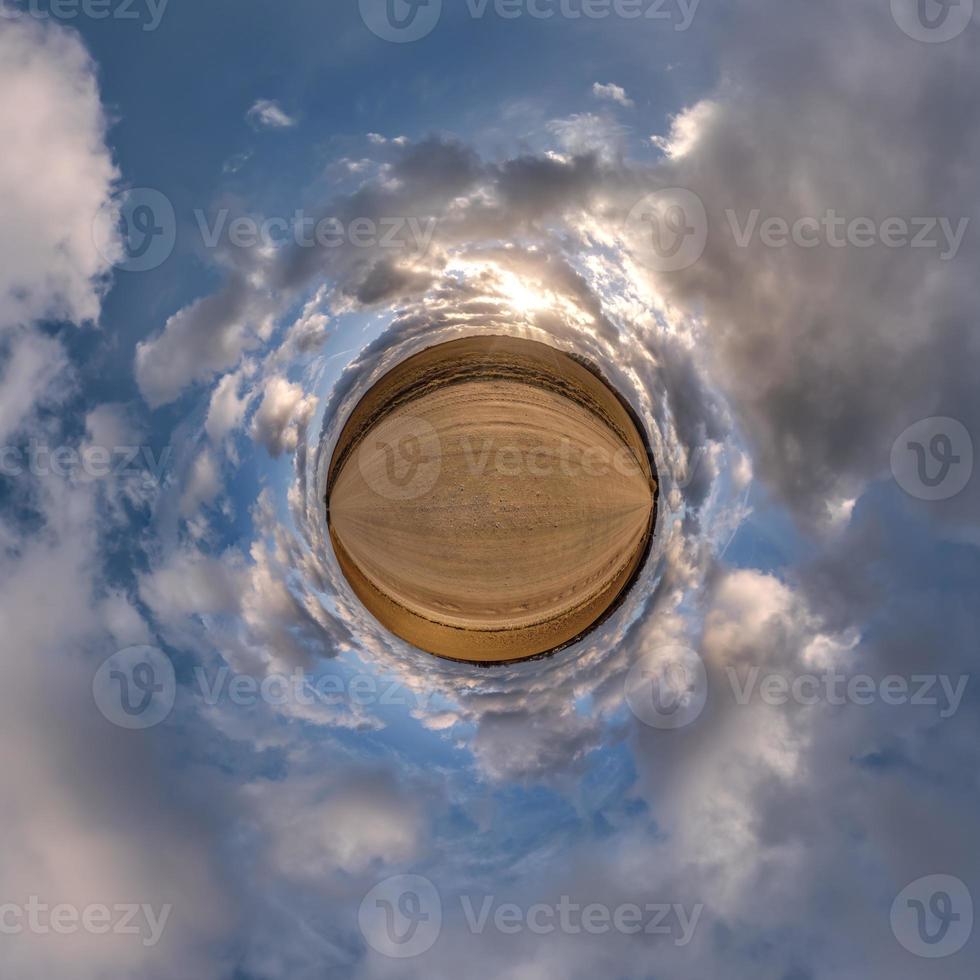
{"x": 491, "y": 499}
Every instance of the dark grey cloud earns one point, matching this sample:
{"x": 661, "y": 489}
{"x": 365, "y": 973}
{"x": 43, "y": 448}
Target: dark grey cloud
{"x": 828, "y": 353}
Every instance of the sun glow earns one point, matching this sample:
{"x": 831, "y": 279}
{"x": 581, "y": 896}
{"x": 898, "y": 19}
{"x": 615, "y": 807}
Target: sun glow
{"x": 522, "y": 297}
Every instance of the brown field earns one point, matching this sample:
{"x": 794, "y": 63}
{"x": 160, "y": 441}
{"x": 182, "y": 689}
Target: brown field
{"x": 490, "y": 499}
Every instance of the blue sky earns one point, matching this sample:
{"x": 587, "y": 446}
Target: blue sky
{"x": 304, "y": 795}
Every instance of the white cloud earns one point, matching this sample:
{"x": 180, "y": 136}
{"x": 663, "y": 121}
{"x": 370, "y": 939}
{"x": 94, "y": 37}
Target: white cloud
{"x": 283, "y": 412}
{"x": 186, "y": 584}
{"x": 55, "y": 175}
{"x": 110, "y": 425}
{"x": 319, "y": 826}
{"x": 227, "y": 408}
{"x": 612, "y": 93}
{"x": 33, "y": 373}
{"x": 268, "y": 114}
{"x": 207, "y": 336}
{"x": 587, "y": 133}
{"x": 69, "y": 774}
{"x": 686, "y": 128}
{"x": 203, "y": 483}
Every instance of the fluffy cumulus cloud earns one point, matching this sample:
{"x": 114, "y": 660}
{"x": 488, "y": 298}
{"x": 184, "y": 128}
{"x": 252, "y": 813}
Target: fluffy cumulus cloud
{"x": 613, "y": 93}
{"x": 310, "y": 754}
{"x": 59, "y": 180}
{"x": 208, "y": 336}
{"x": 281, "y": 416}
